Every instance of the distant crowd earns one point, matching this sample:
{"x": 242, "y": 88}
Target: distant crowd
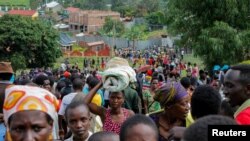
{"x": 171, "y": 100}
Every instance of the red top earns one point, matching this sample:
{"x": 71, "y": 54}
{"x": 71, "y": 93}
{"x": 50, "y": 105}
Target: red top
{"x": 243, "y": 117}
{"x": 112, "y": 126}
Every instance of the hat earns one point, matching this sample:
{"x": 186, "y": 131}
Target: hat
{"x": 22, "y": 98}
{"x": 66, "y": 74}
{"x": 28, "y": 98}
{"x": 216, "y": 67}
{"x": 5, "y": 67}
{"x": 225, "y": 67}
{"x": 169, "y": 93}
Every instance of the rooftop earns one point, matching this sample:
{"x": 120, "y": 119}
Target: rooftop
{"x": 95, "y": 43}
{"x": 73, "y": 9}
{"x": 22, "y": 12}
{"x": 52, "y": 4}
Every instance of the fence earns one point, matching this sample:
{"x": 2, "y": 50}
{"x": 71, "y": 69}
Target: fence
{"x": 105, "y": 52}
{"x": 122, "y": 42}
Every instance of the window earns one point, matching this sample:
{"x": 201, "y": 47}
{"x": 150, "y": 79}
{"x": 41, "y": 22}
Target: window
{"x": 86, "y": 28}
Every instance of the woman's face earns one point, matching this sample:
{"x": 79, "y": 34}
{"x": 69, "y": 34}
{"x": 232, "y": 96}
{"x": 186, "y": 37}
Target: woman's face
{"x": 116, "y": 99}
{"x": 181, "y": 108}
{"x": 154, "y": 84}
{"x": 46, "y": 85}
{"x": 30, "y": 126}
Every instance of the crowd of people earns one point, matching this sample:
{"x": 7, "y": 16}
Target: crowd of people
{"x": 170, "y": 100}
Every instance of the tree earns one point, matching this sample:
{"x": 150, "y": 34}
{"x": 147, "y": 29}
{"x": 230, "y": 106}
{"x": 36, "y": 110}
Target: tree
{"x": 156, "y": 20}
{"x": 95, "y": 4}
{"x": 125, "y": 7}
{"x": 218, "y": 31}
{"x": 147, "y": 6}
{"x": 135, "y": 33}
{"x": 32, "y": 42}
{"x": 114, "y": 28}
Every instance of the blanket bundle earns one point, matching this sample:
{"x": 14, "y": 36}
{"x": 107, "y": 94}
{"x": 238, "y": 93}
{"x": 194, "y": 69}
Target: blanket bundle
{"x": 117, "y": 75}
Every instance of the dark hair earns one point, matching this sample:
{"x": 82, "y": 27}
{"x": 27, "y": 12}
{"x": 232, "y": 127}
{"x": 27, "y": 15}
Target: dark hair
{"x": 5, "y": 76}
{"x": 77, "y": 84}
{"x": 24, "y": 81}
{"x": 51, "y": 80}
{"x": 193, "y": 81}
{"x": 185, "y": 82}
{"x": 67, "y": 89}
{"x": 198, "y": 131}
{"x": 99, "y": 135}
{"x": 135, "y": 120}
{"x": 226, "y": 109}
{"x": 74, "y": 105}
{"x": 244, "y": 72}
{"x": 89, "y": 79}
{"x": 39, "y": 80}
{"x": 93, "y": 82}
{"x": 201, "y": 72}
{"x": 74, "y": 76}
{"x": 60, "y": 85}
{"x": 205, "y": 101}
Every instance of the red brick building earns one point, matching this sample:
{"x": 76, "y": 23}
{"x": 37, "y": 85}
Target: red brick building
{"x": 89, "y": 21}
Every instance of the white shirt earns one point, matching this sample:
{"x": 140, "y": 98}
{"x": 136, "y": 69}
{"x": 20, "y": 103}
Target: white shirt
{"x": 71, "y": 138}
{"x": 106, "y": 95}
{"x": 65, "y": 102}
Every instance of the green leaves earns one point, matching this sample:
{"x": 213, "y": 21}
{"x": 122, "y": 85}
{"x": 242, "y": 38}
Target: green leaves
{"x": 32, "y": 42}
{"x": 113, "y": 28}
{"x": 218, "y": 31}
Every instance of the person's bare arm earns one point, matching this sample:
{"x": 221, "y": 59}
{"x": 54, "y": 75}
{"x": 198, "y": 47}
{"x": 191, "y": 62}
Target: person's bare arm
{"x": 98, "y": 110}
{"x": 146, "y": 106}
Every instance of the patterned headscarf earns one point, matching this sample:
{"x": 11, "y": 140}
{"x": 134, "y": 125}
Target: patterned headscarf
{"x": 169, "y": 93}
{"x": 23, "y": 98}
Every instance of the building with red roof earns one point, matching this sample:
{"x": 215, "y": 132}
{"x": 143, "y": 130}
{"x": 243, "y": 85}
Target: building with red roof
{"x": 28, "y": 13}
{"x": 73, "y": 10}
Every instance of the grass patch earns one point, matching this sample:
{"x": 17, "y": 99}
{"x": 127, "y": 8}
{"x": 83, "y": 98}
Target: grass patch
{"x": 192, "y": 59}
{"x": 15, "y": 2}
{"x": 78, "y": 48}
{"x": 78, "y": 61}
{"x": 155, "y": 34}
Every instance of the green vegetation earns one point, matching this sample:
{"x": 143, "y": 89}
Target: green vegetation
{"x": 135, "y": 33}
{"x": 76, "y": 60}
{"x": 112, "y": 28}
{"x": 218, "y": 31}
{"x": 27, "y": 43}
{"x": 25, "y": 3}
{"x": 78, "y": 48}
{"x": 192, "y": 59}
{"x": 245, "y": 62}
{"x": 156, "y": 33}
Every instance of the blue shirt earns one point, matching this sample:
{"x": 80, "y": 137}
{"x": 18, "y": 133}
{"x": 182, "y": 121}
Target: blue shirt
{"x": 2, "y": 131}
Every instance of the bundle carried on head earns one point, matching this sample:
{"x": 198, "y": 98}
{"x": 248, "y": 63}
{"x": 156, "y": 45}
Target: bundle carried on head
{"x": 117, "y": 75}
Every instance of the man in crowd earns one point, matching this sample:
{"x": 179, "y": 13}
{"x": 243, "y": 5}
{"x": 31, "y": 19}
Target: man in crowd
{"x": 237, "y": 91}
{"x": 78, "y": 118}
{"x": 6, "y": 73}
